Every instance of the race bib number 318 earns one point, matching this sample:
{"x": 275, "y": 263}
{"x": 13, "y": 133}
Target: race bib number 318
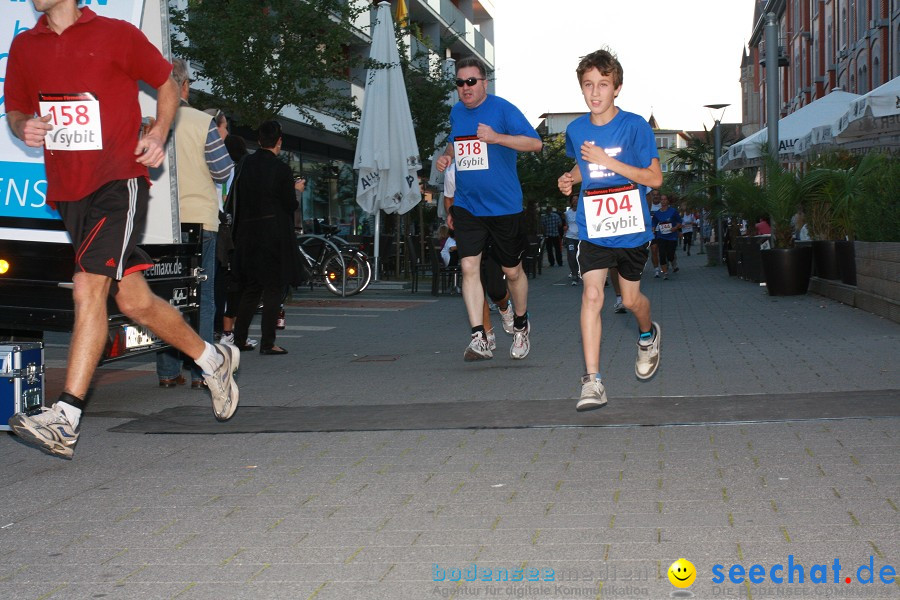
{"x": 75, "y": 119}
{"x": 471, "y": 153}
{"x": 613, "y": 211}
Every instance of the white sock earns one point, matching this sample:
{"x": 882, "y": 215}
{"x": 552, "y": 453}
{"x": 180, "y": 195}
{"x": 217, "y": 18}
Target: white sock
{"x": 72, "y": 413}
{"x": 619, "y": 299}
{"x": 210, "y": 360}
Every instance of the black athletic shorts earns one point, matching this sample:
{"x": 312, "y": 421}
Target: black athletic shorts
{"x": 506, "y": 232}
{"x": 105, "y": 225}
{"x": 629, "y": 261}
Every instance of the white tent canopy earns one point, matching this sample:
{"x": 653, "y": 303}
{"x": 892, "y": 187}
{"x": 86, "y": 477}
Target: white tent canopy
{"x": 872, "y": 115}
{"x": 821, "y": 112}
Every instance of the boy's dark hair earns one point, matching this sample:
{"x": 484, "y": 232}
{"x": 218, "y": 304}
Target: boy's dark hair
{"x": 269, "y": 132}
{"x": 604, "y": 61}
{"x": 472, "y": 61}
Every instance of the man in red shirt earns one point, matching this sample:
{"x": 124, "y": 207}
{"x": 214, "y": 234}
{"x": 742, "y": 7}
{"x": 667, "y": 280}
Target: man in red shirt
{"x": 79, "y": 73}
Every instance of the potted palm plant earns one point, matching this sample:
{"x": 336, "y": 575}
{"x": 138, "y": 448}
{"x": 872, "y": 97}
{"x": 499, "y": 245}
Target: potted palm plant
{"x": 776, "y": 192}
{"x": 834, "y": 192}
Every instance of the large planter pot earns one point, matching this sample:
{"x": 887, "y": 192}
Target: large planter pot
{"x": 846, "y": 261}
{"x": 731, "y": 262}
{"x": 825, "y": 259}
{"x": 787, "y": 270}
{"x": 748, "y": 257}
{"x": 713, "y": 254}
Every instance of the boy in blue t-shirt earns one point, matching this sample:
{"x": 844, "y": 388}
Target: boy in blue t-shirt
{"x": 616, "y": 161}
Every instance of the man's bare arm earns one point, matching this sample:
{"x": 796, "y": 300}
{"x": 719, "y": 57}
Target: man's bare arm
{"x": 150, "y": 149}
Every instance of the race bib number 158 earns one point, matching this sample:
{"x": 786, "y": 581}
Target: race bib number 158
{"x": 75, "y": 119}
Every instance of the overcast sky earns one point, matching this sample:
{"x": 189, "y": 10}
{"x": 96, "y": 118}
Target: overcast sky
{"x": 677, "y": 56}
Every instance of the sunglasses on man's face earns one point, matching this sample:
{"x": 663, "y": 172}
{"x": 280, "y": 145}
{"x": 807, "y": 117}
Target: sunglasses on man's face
{"x": 471, "y": 81}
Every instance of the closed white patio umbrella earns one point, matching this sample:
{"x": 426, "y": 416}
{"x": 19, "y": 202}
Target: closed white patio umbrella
{"x": 387, "y": 155}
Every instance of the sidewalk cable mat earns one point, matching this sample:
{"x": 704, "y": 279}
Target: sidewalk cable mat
{"x": 512, "y": 414}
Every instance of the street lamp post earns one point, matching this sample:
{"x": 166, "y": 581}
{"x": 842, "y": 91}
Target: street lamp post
{"x": 717, "y": 150}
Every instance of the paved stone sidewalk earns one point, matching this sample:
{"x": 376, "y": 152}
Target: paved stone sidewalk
{"x": 381, "y": 515}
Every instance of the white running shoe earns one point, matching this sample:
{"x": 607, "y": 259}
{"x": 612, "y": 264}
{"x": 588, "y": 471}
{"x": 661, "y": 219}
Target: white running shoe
{"x": 477, "y": 349}
{"x": 50, "y": 430}
{"x": 507, "y": 316}
{"x": 520, "y": 346}
{"x": 648, "y": 355}
{"x": 491, "y": 341}
{"x": 593, "y": 394}
{"x": 228, "y": 338}
{"x": 222, "y": 387}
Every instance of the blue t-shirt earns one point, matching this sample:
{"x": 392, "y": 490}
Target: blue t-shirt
{"x": 495, "y": 190}
{"x": 664, "y": 221}
{"x": 614, "y": 202}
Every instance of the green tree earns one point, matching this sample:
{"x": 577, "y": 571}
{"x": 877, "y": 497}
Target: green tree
{"x": 689, "y": 166}
{"x": 427, "y": 86}
{"x": 260, "y": 56}
{"x": 538, "y": 173}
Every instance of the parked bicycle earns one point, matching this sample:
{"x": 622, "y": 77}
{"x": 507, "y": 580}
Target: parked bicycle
{"x": 335, "y": 263}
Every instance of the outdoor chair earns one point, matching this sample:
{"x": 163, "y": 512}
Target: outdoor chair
{"x": 443, "y": 279}
{"x": 414, "y": 264}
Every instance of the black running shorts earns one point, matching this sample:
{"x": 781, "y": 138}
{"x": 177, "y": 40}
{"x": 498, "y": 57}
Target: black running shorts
{"x": 629, "y": 261}
{"x": 506, "y": 232}
{"x": 105, "y": 225}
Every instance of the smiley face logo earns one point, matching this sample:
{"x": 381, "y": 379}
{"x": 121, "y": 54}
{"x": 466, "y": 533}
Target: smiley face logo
{"x": 682, "y": 573}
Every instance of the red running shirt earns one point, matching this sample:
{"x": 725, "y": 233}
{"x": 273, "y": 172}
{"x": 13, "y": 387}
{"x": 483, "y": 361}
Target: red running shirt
{"x": 103, "y": 56}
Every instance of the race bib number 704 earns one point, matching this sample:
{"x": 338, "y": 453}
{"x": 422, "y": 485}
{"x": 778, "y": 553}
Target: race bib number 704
{"x": 75, "y": 118}
{"x": 613, "y": 211}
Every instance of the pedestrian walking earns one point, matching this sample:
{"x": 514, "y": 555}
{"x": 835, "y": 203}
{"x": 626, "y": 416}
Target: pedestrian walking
{"x": 666, "y": 224}
{"x": 551, "y": 224}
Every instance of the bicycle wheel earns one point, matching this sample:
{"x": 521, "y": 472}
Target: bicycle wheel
{"x": 352, "y": 279}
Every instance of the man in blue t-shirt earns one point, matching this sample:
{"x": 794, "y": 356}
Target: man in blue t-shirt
{"x": 616, "y": 161}
{"x": 666, "y": 223}
{"x": 486, "y": 135}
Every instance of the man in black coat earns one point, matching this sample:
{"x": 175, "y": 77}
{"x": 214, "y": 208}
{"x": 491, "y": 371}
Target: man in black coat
{"x": 265, "y": 254}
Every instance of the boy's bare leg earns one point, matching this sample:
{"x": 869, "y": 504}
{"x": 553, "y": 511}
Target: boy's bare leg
{"x": 591, "y": 328}
{"x": 636, "y": 302}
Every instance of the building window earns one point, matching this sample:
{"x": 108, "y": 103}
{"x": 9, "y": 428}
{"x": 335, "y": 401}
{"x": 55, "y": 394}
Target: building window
{"x": 876, "y": 72}
{"x": 863, "y": 80}
{"x": 861, "y": 20}
{"x": 662, "y": 142}
{"x": 842, "y": 32}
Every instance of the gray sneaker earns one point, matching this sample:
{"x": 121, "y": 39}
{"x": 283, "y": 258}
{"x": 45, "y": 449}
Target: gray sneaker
{"x": 521, "y": 346}
{"x": 478, "y": 349}
{"x": 49, "y": 430}
{"x": 648, "y": 355}
{"x": 507, "y": 316}
{"x": 491, "y": 341}
{"x": 222, "y": 386}
{"x": 619, "y": 307}
{"x": 593, "y": 394}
